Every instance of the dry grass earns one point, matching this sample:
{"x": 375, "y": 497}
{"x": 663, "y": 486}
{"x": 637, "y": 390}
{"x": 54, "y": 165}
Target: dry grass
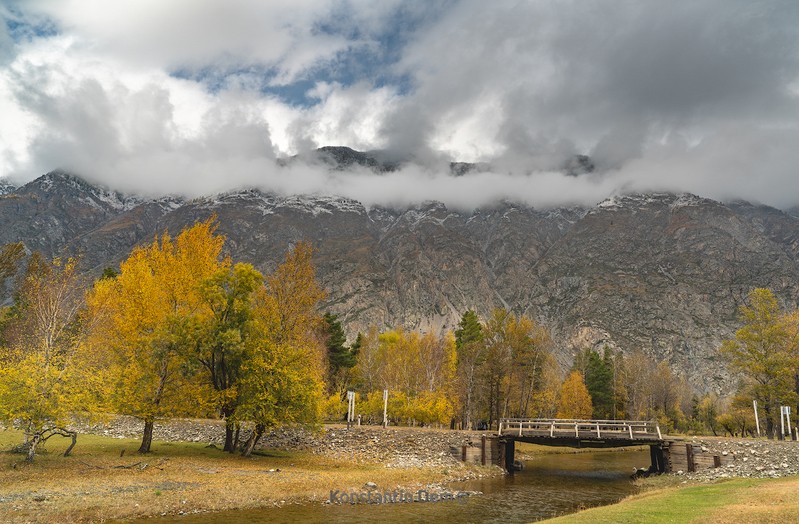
{"x": 91, "y": 485}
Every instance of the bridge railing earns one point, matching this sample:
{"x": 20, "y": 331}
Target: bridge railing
{"x": 598, "y": 429}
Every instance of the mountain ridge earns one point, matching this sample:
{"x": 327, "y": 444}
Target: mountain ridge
{"x": 661, "y": 272}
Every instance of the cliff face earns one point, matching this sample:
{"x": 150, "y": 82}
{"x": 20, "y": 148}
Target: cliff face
{"x": 663, "y": 273}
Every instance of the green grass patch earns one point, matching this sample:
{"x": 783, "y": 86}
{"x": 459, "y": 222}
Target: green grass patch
{"x": 696, "y": 503}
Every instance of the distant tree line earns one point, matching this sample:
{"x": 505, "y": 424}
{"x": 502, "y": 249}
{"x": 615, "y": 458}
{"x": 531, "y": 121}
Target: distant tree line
{"x": 182, "y": 330}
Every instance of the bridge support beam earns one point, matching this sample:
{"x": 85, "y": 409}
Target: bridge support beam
{"x": 657, "y": 459}
{"x": 510, "y": 455}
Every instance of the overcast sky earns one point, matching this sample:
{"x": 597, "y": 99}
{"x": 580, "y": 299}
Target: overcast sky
{"x": 199, "y": 96}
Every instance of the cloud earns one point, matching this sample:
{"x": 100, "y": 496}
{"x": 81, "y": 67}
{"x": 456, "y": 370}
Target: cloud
{"x": 199, "y": 96}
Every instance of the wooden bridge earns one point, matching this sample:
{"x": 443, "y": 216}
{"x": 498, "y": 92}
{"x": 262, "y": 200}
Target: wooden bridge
{"x": 666, "y": 454}
{"x": 581, "y": 434}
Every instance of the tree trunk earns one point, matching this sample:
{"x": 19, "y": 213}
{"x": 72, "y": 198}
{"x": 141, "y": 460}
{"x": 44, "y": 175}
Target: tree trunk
{"x": 229, "y": 443}
{"x": 236, "y": 438}
{"x": 253, "y": 440}
{"x": 74, "y": 435}
{"x": 32, "y": 443}
{"x": 147, "y": 438}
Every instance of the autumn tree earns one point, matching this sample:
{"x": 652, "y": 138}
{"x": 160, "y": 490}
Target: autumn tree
{"x": 226, "y": 331}
{"x": 283, "y": 377}
{"x": 368, "y": 368}
{"x": 495, "y": 373}
{"x": 149, "y": 327}
{"x": 639, "y": 369}
{"x": 533, "y": 368}
{"x": 10, "y": 257}
{"x": 41, "y": 382}
{"x": 575, "y": 401}
{"x": 765, "y": 352}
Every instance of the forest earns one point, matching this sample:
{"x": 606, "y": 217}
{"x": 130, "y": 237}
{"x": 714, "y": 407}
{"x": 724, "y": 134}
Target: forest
{"x": 181, "y": 330}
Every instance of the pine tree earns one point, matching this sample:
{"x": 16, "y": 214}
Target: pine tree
{"x": 341, "y": 359}
{"x": 599, "y": 381}
{"x": 470, "y": 350}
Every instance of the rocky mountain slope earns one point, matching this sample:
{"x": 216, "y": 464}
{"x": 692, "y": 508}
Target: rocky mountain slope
{"x": 660, "y": 272}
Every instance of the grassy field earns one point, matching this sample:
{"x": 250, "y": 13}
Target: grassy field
{"x": 731, "y": 501}
{"x": 106, "y": 479}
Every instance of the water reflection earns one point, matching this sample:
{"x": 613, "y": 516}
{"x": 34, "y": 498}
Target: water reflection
{"x": 550, "y": 485}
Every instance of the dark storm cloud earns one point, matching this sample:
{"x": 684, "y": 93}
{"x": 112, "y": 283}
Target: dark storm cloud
{"x": 683, "y": 96}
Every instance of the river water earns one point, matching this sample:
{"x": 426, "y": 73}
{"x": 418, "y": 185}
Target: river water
{"x": 549, "y": 485}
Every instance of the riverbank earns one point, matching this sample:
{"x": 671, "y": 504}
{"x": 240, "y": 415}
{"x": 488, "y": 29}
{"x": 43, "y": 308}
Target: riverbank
{"x": 757, "y": 484}
{"x": 728, "y": 501}
{"x": 105, "y": 479}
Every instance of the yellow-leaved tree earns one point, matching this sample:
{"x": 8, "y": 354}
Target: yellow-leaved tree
{"x": 42, "y": 384}
{"x": 575, "y": 401}
{"x": 282, "y": 379}
{"x": 150, "y": 320}
{"x": 765, "y": 351}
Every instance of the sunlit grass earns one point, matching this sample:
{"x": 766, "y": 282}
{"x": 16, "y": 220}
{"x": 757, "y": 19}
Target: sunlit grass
{"x": 731, "y": 501}
{"x": 105, "y": 478}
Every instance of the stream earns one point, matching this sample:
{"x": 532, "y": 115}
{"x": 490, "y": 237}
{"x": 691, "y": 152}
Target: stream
{"x": 549, "y": 485}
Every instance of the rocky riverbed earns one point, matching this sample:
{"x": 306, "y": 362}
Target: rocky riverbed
{"x": 394, "y": 447}
{"x": 748, "y": 458}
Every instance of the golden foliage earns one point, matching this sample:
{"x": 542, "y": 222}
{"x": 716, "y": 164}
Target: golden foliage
{"x": 147, "y": 323}
{"x": 575, "y": 402}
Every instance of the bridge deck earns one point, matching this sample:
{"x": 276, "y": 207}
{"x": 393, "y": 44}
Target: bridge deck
{"x": 581, "y": 433}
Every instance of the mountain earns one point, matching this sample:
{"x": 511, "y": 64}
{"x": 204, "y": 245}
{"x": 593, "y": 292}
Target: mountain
{"x": 6, "y": 187}
{"x": 661, "y": 272}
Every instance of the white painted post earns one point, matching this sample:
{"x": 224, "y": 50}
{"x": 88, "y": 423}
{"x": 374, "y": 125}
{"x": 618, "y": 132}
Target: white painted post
{"x": 576, "y": 430}
{"x": 520, "y": 427}
{"x": 782, "y": 422}
{"x": 385, "y": 408}
{"x": 630, "y": 427}
{"x": 350, "y": 407}
{"x": 757, "y": 420}
{"x": 788, "y": 419}
{"x": 597, "y": 431}
{"x": 552, "y": 429}
{"x": 500, "y": 428}
{"x": 657, "y": 426}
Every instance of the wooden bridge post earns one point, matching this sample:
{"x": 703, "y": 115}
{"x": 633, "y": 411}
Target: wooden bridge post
{"x": 510, "y": 455}
{"x": 657, "y": 458}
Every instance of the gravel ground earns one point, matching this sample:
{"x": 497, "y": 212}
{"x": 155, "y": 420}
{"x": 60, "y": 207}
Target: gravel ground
{"x": 394, "y": 447}
{"x": 748, "y": 458}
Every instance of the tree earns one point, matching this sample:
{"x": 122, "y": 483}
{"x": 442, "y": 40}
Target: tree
{"x": 150, "y": 326}
{"x": 470, "y": 357}
{"x": 225, "y": 327}
{"x": 283, "y": 376}
{"x": 340, "y": 358}
{"x": 530, "y": 347}
{"x": 495, "y": 373}
{"x": 707, "y": 413}
{"x": 766, "y": 353}
{"x": 41, "y": 384}
{"x": 639, "y": 370}
{"x": 368, "y": 368}
{"x": 598, "y": 372}
{"x": 575, "y": 402}
{"x": 10, "y": 257}
{"x": 295, "y": 295}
